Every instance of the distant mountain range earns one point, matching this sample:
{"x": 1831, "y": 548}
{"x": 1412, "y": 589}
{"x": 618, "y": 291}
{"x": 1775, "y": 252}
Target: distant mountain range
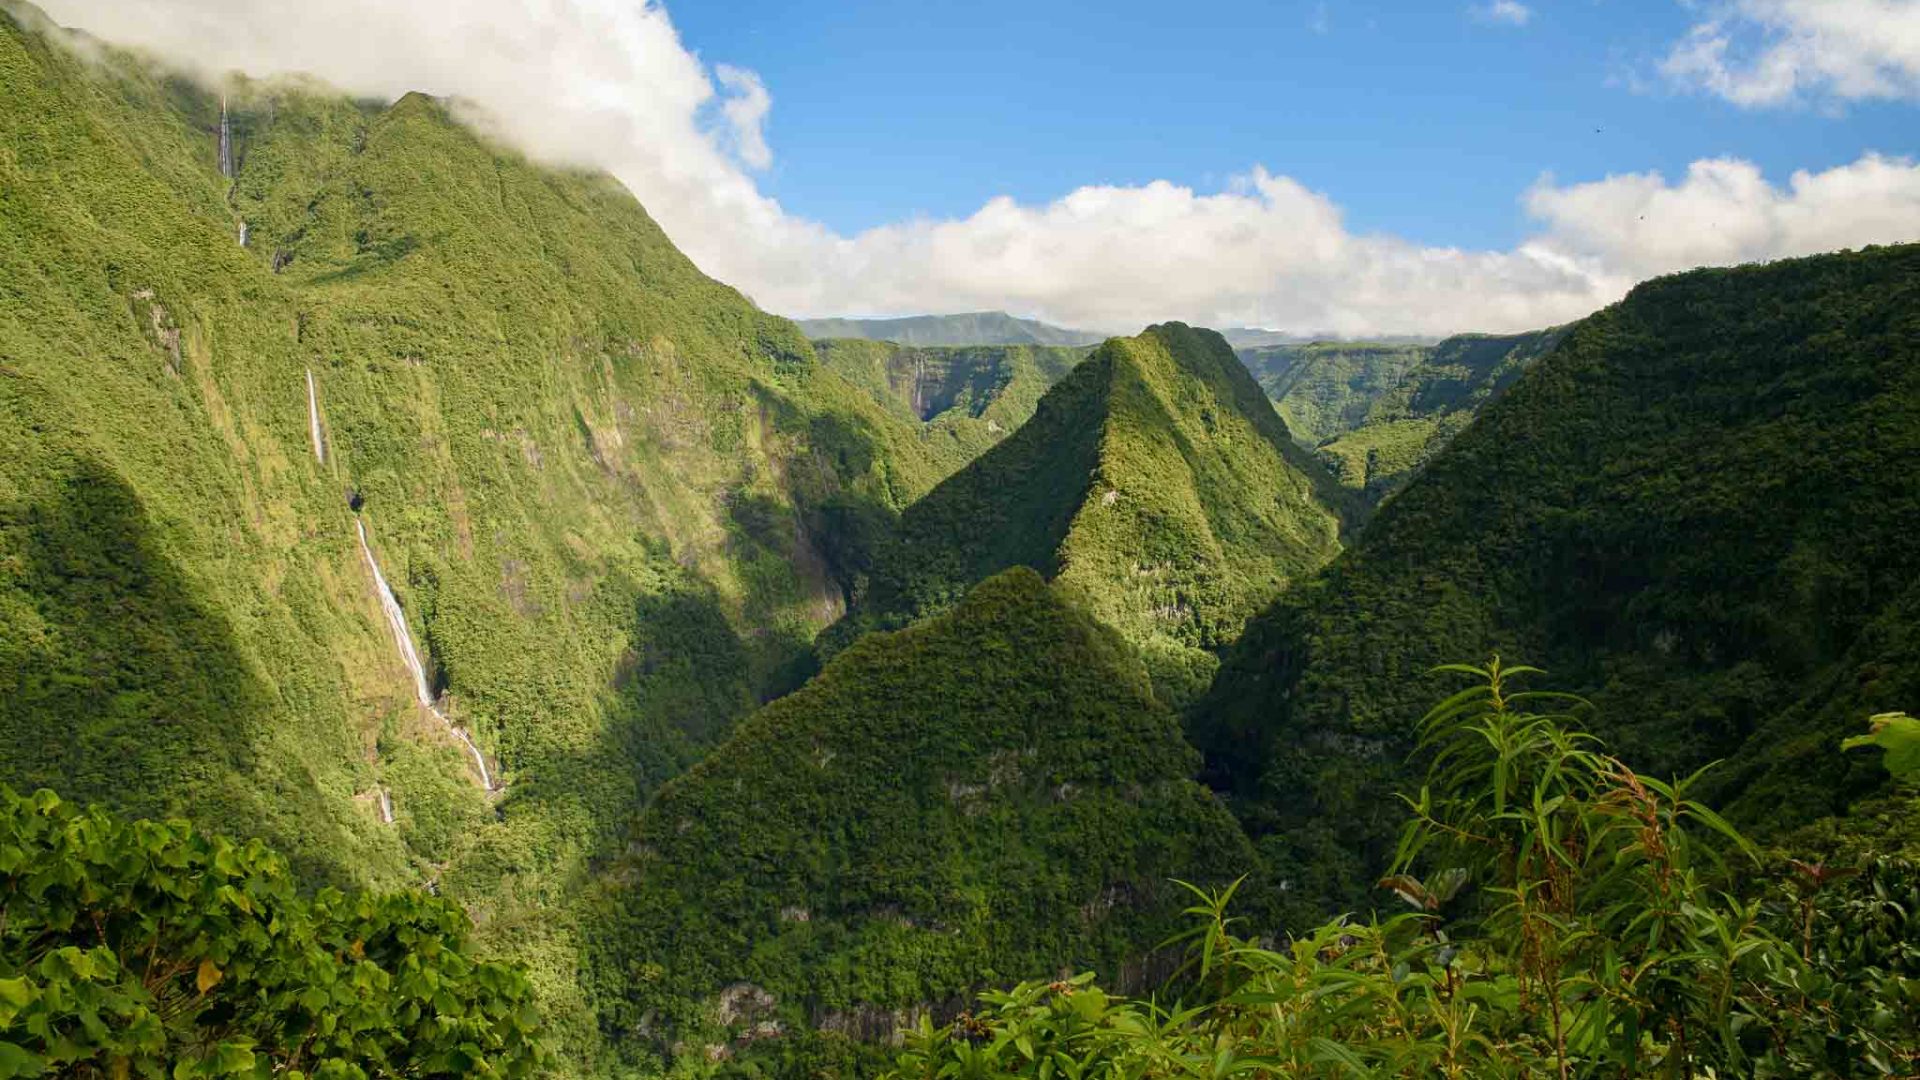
{"x": 973, "y": 328}
{"x": 1000, "y": 328}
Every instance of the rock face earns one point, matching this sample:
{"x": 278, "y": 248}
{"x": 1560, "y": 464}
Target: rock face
{"x": 906, "y": 799}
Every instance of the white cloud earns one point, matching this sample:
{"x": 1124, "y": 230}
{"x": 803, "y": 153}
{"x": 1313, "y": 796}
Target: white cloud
{"x": 1774, "y": 52}
{"x": 746, "y": 113}
{"x": 1724, "y": 211}
{"x": 608, "y": 83}
{"x": 1508, "y": 12}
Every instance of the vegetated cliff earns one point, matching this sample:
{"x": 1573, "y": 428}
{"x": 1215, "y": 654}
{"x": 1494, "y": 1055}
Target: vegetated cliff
{"x": 993, "y": 794}
{"x": 599, "y": 482}
{"x": 1700, "y": 509}
{"x": 1376, "y": 412}
{"x": 1155, "y": 480}
{"x": 965, "y": 398}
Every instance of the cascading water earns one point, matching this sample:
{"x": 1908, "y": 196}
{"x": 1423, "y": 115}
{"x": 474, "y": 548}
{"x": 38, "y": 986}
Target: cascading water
{"x": 226, "y": 142}
{"x": 386, "y": 807}
{"x": 243, "y": 234}
{"x": 313, "y": 424}
{"x": 403, "y": 637}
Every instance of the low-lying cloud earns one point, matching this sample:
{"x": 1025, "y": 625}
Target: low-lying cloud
{"x": 608, "y": 83}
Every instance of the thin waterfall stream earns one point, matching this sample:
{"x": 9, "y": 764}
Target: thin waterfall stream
{"x": 313, "y": 421}
{"x": 403, "y": 637}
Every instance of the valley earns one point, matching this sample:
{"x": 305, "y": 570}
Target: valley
{"x": 480, "y": 589}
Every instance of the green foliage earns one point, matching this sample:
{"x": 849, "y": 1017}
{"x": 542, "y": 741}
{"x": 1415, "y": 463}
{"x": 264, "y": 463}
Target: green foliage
{"x": 1899, "y": 735}
{"x": 145, "y": 948}
{"x": 1325, "y": 388}
{"x": 1697, "y": 510}
{"x": 1569, "y": 918}
{"x": 1154, "y": 480}
{"x": 979, "y": 798}
{"x": 966, "y": 398}
{"x": 1375, "y": 413}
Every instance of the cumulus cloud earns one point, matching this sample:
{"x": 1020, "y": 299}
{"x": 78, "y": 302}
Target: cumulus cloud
{"x": 608, "y": 83}
{"x": 1505, "y": 12}
{"x": 1773, "y": 52}
{"x": 746, "y": 112}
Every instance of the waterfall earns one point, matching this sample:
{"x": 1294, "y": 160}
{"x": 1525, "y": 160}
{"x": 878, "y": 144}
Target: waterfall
{"x": 226, "y": 142}
{"x": 386, "y": 807}
{"x": 313, "y": 424}
{"x": 403, "y": 637}
{"x": 243, "y": 234}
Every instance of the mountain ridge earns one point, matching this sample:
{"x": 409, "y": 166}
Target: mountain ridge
{"x": 969, "y": 328}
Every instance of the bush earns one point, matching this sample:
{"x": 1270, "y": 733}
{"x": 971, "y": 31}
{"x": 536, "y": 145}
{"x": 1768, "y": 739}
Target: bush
{"x": 144, "y": 948}
{"x": 1574, "y": 919}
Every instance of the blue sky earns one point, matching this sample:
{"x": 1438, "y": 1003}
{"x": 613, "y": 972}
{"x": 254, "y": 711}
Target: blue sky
{"x": 1421, "y": 119}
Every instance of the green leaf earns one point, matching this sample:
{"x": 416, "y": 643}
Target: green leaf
{"x": 1899, "y": 735}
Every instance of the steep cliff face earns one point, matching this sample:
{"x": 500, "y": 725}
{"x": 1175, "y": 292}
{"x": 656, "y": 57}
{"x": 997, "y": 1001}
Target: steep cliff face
{"x": 1155, "y": 480}
{"x": 966, "y": 398}
{"x": 597, "y": 482}
{"x": 1374, "y": 413}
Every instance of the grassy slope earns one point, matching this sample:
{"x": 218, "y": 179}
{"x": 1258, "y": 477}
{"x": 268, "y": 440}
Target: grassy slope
{"x": 1700, "y": 509}
{"x": 1155, "y": 480}
{"x": 597, "y": 479}
{"x": 990, "y": 795}
{"x": 966, "y": 398}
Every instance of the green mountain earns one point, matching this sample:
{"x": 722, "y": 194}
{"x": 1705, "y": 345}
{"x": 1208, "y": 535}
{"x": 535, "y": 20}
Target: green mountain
{"x": 973, "y": 328}
{"x": 1326, "y": 388}
{"x": 1375, "y": 412}
{"x": 993, "y": 794}
{"x": 1155, "y": 480}
{"x": 597, "y": 483}
{"x": 1700, "y": 510}
{"x": 964, "y": 397}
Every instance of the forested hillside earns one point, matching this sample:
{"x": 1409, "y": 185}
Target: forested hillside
{"x": 966, "y": 398}
{"x": 1154, "y": 480}
{"x": 991, "y": 795}
{"x": 595, "y": 479}
{"x": 1375, "y": 412}
{"x": 1700, "y": 510}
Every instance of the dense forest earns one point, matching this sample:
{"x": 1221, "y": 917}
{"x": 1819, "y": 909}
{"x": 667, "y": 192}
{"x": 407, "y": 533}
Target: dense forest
{"x": 444, "y": 633}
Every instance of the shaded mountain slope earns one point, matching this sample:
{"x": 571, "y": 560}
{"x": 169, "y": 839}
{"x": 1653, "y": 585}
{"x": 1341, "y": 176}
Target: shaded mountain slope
{"x": 1700, "y": 510}
{"x": 990, "y": 795}
{"x": 1154, "y": 480}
